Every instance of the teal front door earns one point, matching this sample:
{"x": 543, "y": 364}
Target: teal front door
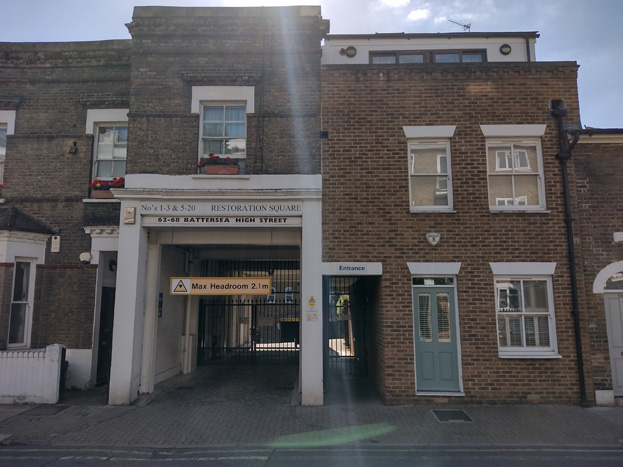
{"x": 436, "y": 352}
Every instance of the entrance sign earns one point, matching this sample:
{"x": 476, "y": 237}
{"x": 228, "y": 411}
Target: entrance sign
{"x": 220, "y": 285}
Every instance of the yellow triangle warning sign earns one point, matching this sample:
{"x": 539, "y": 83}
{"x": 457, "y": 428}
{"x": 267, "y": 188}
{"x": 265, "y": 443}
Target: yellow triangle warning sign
{"x": 312, "y": 302}
{"x": 180, "y": 287}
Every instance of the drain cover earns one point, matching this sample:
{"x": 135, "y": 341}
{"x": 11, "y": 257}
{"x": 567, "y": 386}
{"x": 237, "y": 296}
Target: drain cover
{"x": 451, "y": 416}
{"x": 46, "y": 410}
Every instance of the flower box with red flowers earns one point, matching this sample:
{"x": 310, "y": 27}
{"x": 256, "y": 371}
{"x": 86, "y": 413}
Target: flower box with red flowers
{"x": 100, "y": 189}
{"x": 216, "y": 165}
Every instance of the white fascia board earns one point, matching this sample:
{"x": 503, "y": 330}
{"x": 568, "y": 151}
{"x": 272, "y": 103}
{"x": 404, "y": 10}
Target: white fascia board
{"x": 523, "y": 269}
{"x": 444, "y": 131}
{"x": 514, "y": 131}
{"x": 95, "y": 116}
{"x": 222, "y": 93}
{"x": 434, "y": 269}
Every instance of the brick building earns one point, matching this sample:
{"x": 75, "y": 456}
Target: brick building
{"x": 397, "y": 209}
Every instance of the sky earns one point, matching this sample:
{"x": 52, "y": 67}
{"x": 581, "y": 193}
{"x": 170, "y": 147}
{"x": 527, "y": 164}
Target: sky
{"x": 587, "y": 32}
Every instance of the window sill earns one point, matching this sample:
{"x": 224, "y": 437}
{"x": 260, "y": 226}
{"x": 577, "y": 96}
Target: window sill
{"x": 535, "y": 355}
{"x": 240, "y": 176}
{"x": 100, "y": 200}
{"x": 522, "y": 211}
{"x": 440, "y": 394}
{"x": 432, "y": 211}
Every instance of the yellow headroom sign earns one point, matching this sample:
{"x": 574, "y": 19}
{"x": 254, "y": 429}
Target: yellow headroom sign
{"x": 220, "y": 286}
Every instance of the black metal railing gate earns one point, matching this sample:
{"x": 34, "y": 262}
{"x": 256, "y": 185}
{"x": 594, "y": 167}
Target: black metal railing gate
{"x": 250, "y": 329}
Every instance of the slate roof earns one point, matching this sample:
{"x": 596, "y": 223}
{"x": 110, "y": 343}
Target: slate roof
{"x": 14, "y": 219}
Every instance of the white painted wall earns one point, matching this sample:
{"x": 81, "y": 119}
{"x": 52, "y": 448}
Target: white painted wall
{"x": 171, "y": 324}
{"x": 35, "y": 375}
{"x": 79, "y": 369}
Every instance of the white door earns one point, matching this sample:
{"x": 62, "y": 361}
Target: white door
{"x": 614, "y": 320}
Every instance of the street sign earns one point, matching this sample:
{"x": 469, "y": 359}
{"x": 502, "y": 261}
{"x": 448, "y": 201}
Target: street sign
{"x": 220, "y": 286}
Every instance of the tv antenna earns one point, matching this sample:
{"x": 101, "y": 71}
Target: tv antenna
{"x": 466, "y": 27}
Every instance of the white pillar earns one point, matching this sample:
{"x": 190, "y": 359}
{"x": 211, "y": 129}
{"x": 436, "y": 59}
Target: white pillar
{"x": 311, "y": 358}
{"x": 150, "y": 326}
{"x": 125, "y": 369}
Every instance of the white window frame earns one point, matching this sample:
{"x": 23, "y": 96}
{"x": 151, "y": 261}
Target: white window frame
{"x": 520, "y": 135}
{"x": 506, "y": 272}
{"x": 224, "y": 105}
{"x": 431, "y": 137}
{"x": 7, "y": 122}
{"x": 221, "y": 95}
{"x": 97, "y": 118}
{"x": 29, "y": 300}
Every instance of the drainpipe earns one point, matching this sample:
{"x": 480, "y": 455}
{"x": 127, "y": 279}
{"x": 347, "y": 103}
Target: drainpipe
{"x": 559, "y": 110}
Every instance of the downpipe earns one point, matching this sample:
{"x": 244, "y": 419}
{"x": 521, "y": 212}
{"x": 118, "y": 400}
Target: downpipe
{"x": 564, "y": 156}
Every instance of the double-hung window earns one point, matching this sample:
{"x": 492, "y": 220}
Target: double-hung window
{"x": 21, "y": 303}
{"x": 223, "y": 114}
{"x": 430, "y": 175}
{"x": 224, "y": 130}
{"x": 524, "y": 306}
{"x": 7, "y": 127}
{"x": 111, "y": 149}
{"x": 3, "y": 133}
{"x": 515, "y": 167}
{"x": 109, "y": 128}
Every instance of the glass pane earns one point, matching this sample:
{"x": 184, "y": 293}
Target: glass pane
{"x": 235, "y": 129}
{"x": 526, "y": 190}
{"x": 118, "y": 169}
{"x": 615, "y": 282}
{"x": 104, "y": 169}
{"x": 535, "y": 296}
{"x": 235, "y": 146}
{"x": 3, "y": 133}
{"x": 509, "y": 296}
{"x": 213, "y": 129}
{"x": 443, "y": 318}
{"x": 213, "y": 113}
{"x": 447, "y": 58}
{"x": 509, "y": 331}
{"x": 499, "y": 158}
{"x": 411, "y": 58}
{"x": 22, "y": 278}
{"x": 537, "y": 331}
{"x": 235, "y": 113}
{"x": 383, "y": 59}
{"x": 525, "y": 158}
{"x": 433, "y": 281}
{"x": 429, "y": 160}
{"x": 122, "y": 135}
{"x": 17, "y": 325}
{"x": 500, "y": 190}
{"x": 424, "y": 316}
{"x": 214, "y": 146}
{"x": 429, "y": 191}
{"x": 470, "y": 58}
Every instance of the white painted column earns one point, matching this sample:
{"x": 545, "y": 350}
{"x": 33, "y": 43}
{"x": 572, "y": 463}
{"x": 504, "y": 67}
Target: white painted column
{"x": 125, "y": 369}
{"x": 311, "y": 358}
{"x": 150, "y": 326}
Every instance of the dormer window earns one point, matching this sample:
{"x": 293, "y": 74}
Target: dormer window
{"x": 427, "y": 56}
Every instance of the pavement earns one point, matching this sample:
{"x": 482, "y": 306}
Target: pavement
{"x": 256, "y": 406}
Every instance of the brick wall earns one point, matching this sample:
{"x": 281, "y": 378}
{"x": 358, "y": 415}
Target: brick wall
{"x": 600, "y": 215}
{"x": 279, "y": 55}
{"x": 366, "y": 210}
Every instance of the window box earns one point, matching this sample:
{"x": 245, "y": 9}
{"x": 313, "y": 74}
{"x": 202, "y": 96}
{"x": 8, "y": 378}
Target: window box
{"x": 221, "y": 169}
{"x": 102, "y": 194}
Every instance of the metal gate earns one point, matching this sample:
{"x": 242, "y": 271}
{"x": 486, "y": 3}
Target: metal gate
{"x": 247, "y": 328}
{"x": 345, "y": 301}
